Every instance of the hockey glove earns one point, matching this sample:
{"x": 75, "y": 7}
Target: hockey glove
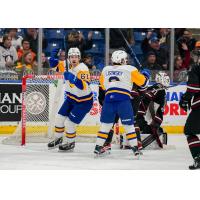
{"x": 53, "y": 62}
{"x": 54, "y": 53}
{"x": 185, "y": 102}
{"x": 146, "y": 73}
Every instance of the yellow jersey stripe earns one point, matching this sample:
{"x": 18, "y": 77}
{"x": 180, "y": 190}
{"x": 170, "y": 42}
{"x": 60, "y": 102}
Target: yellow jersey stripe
{"x": 79, "y": 100}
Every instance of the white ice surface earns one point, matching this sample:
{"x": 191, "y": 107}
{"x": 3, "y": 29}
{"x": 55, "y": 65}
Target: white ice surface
{"x": 37, "y": 156}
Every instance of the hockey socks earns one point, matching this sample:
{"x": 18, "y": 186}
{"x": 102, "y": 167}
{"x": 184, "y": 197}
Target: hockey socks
{"x": 194, "y": 145}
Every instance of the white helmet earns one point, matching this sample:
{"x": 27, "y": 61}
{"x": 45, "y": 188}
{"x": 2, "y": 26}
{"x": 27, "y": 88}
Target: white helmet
{"x": 162, "y": 78}
{"x": 74, "y": 52}
{"x": 119, "y": 57}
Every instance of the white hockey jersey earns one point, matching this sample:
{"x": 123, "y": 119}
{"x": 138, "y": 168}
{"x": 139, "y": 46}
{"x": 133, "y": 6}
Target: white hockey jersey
{"x": 75, "y": 94}
{"x": 118, "y": 81}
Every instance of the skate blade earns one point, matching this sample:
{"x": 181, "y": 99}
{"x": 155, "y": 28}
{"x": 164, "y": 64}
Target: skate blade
{"x": 50, "y": 148}
{"x": 96, "y": 155}
{"x": 66, "y": 151}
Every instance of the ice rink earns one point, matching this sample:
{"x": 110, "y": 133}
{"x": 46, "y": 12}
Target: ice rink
{"x": 38, "y": 157}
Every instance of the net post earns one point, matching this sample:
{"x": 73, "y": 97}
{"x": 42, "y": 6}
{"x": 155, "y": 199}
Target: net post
{"x": 23, "y": 113}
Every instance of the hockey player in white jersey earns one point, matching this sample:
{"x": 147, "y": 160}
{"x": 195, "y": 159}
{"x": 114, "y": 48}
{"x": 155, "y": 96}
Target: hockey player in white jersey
{"x": 79, "y": 101}
{"x": 117, "y": 81}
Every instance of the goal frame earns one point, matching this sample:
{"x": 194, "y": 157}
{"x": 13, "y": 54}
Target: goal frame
{"x": 24, "y": 87}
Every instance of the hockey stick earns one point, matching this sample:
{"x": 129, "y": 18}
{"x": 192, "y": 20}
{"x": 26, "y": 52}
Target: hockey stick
{"x": 132, "y": 53}
{"x": 151, "y": 138}
{"x": 66, "y": 59}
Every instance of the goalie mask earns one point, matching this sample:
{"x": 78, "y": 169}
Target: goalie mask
{"x": 162, "y": 78}
{"x": 119, "y": 57}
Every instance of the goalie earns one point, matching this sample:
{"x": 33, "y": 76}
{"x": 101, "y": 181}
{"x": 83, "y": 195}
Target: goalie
{"x": 79, "y": 101}
{"x": 153, "y": 101}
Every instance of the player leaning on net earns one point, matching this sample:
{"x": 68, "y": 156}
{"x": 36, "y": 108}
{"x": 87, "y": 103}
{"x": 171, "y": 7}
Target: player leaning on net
{"x": 78, "y": 102}
{"x": 191, "y": 99}
{"x": 117, "y": 81}
{"x": 155, "y": 95}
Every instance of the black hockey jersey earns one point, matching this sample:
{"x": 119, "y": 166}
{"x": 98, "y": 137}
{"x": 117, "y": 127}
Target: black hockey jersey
{"x": 155, "y": 94}
{"x": 193, "y": 87}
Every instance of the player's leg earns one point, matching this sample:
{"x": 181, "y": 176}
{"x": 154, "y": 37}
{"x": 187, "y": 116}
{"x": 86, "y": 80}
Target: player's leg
{"x": 59, "y": 124}
{"x": 107, "y": 119}
{"x": 75, "y": 116}
{"x": 191, "y": 130}
{"x": 125, "y": 112}
{"x": 108, "y": 141}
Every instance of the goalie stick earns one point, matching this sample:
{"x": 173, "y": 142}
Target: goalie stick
{"x": 151, "y": 138}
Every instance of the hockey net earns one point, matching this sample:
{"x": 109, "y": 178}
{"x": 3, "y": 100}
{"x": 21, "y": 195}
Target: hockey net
{"x": 42, "y": 96}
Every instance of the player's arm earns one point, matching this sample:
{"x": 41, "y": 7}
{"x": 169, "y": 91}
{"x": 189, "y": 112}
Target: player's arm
{"x": 193, "y": 88}
{"x": 158, "y": 118}
{"x": 140, "y": 79}
{"x": 81, "y": 81}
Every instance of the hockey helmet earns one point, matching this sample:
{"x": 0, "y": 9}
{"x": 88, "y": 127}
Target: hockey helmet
{"x": 74, "y": 52}
{"x": 119, "y": 57}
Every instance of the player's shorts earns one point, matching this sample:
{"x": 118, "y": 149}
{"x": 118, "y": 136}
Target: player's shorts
{"x": 75, "y": 111}
{"x": 192, "y": 125}
{"x": 121, "y": 108}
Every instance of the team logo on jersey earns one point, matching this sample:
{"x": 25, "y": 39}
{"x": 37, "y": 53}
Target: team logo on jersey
{"x": 35, "y": 103}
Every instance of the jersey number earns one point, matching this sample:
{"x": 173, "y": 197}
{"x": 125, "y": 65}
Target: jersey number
{"x": 85, "y": 77}
{"x": 113, "y": 79}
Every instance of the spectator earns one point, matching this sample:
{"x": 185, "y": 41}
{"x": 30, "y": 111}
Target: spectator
{"x": 179, "y": 62}
{"x": 164, "y": 37}
{"x": 45, "y": 61}
{"x": 88, "y": 60}
{"x": 27, "y": 63}
{"x": 8, "y": 53}
{"x": 188, "y": 40}
{"x": 152, "y": 44}
{"x": 16, "y": 40}
{"x": 25, "y": 48}
{"x": 196, "y": 53}
{"x": 76, "y": 39}
{"x": 31, "y": 35}
{"x": 151, "y": 62}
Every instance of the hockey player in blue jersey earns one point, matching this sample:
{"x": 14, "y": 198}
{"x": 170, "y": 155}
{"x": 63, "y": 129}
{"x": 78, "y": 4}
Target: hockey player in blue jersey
{"x": 117, "y": 81}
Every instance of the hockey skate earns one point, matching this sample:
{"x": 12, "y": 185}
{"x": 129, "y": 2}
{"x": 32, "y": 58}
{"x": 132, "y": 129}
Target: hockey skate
{"x": 68, "y": 146}
{"x": 196, "y": 164}
{"x": 53, "y": 144}
{"x": 100, "y": 150}
{"x": 136, "y": 151}
{"x": 107, "y": 146}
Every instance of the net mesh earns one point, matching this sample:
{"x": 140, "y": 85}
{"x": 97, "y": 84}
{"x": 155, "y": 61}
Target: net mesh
{"x": 43, "y": 96}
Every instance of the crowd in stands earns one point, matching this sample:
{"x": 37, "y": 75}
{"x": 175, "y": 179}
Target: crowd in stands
{"x": 18, "y": 47}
